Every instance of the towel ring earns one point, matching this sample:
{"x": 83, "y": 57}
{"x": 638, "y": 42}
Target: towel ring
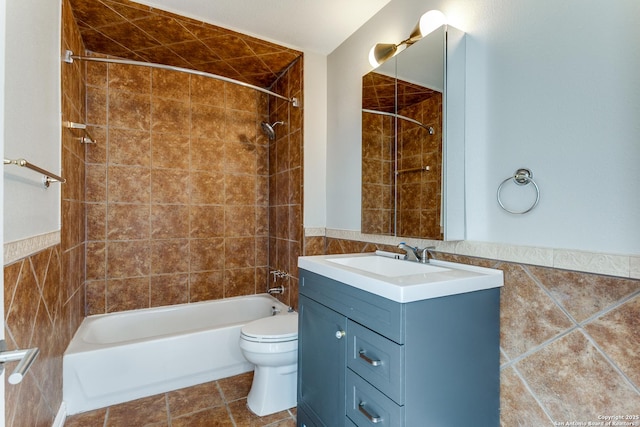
{"x": 522, "y": 176}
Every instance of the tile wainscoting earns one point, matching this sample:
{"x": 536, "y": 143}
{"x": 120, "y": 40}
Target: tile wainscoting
{"x": 566, "y": 259}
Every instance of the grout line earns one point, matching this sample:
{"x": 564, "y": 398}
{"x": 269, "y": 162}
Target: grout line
{"x": 550, "y": 295}
{"x": 531, "y": 392}
{"x": 610, "y": 308}
{"x": 233, "y": 421}
{"x": 166, "y": 401}
{"x": 613, "y": 364}
{"x": 539, "y": 347}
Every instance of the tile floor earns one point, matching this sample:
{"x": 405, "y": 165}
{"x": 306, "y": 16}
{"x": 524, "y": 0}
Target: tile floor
{"x": 217, "y": 403}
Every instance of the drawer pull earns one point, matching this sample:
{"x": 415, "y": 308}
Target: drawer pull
{"x": 369, "y": 360}
{"x": 373, "y": 418}
{"x": 340, "y": 334}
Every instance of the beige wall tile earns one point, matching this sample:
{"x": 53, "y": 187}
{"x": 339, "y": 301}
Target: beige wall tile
{"x": 517, "y": 406}
{"x": 574, "y": 382}
{"x": 583, "y": 294}
{"x": 618, "y": 334}
{"x": 528, "y": 316}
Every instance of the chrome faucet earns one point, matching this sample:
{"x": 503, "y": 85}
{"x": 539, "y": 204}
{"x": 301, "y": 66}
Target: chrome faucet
{"x": 416, "y": 254}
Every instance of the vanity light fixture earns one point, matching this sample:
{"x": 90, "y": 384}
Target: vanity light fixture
{"x": 428, "y": 22}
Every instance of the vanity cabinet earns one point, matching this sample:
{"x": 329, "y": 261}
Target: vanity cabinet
{"x": 365, "y": 360}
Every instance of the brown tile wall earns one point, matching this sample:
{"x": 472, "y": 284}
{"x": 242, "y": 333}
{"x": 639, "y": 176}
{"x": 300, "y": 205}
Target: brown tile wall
{"x": 420, "y": 192}
{"x": 177, "y": 193}
{"x": 285, "y": 183}
{"x": 378, "y": 154}
{"x": 44, "y": 295}
{"x": 569, "y": 340}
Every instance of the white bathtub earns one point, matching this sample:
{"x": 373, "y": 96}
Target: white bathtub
{"x": 114, "y": 358}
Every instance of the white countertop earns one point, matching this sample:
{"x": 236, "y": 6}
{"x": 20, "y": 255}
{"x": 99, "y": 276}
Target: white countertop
{"x": 450, "y": 279}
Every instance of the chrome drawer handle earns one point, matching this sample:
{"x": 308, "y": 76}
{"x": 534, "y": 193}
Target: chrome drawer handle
{"x": 340, "y": 334}
{"x": 369, "y": 360}
{"x": 373, "y": 418}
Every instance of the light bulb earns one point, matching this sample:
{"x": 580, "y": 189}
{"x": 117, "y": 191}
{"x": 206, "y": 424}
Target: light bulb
{"x": 380, "y": 52}
{"x": 430, "y": 21}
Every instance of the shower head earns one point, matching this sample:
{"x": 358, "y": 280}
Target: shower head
{"x": 268, "y": 129}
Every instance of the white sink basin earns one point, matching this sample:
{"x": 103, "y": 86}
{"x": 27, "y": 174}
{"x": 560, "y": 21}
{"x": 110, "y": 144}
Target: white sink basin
{"x": 400, "y": 280}
{"x": 388, "y": 267}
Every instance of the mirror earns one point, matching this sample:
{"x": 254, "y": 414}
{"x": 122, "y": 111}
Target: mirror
{"x": 413, "y": 141}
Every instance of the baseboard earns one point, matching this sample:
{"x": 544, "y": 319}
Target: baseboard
{"x": 61, "y": 416}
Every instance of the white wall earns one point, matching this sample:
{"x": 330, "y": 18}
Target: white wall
{"x": 31, "y": 116}
{"x": 551, "y": 86}
{"x": 315, "y": 136}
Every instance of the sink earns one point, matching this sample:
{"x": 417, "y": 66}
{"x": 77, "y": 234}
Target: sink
{"x": 388, "y": 267}
{"x": 400, "y": 280}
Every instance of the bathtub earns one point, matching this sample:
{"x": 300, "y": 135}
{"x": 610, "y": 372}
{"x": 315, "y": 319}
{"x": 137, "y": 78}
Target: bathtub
{"x": 114, "y": 358}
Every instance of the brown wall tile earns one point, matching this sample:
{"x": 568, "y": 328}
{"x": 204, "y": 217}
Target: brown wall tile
{"x": 169, "y": 186}
{"x": 128, "y": 222}
{"x": 128, "y": 184}
{"x": 529, "y": 317}
{"x": 564, "y": 376}
{"x": 170, "y": 150}
{"x": 170, "y": 256}
{"x": 128, "y": 147}
{"x": 130, "y": 258}
{"x": 618, "y": 334}
{"x": 169, "y": 289}
{"x": 183, "y": 190}
{"x": 129, "y": 110}
{"x": 581, "y": 294}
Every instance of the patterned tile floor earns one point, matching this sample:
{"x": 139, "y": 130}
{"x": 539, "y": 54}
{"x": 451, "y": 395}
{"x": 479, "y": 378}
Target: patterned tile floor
{"x": 217, "y": 403}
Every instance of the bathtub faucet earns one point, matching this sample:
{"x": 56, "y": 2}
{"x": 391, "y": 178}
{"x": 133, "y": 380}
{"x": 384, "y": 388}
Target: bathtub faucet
{"x": 278, "y": 290}
{"x": 279, "y": 274}
{"x": 274, "y": 310}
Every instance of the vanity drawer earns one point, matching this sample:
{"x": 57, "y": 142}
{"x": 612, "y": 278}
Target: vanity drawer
{"x": 380, "y": 314}
{"x": 367, "y": 406}
{"x": 377, "y": 359}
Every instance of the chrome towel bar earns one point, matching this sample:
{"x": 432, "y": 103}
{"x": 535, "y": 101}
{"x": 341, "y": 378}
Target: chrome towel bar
{"x": 48, "y": 177}
{"x": 26, "y": 358}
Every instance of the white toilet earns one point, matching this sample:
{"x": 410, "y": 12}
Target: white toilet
{"x": 271, "y": 344}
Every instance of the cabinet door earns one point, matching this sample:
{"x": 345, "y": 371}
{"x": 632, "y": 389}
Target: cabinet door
{"x": 322, "y": 344}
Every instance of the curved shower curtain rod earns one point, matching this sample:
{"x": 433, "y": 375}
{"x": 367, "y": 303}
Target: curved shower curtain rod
{"x": 69, "y": 57}
{"x": 399, "y": 116}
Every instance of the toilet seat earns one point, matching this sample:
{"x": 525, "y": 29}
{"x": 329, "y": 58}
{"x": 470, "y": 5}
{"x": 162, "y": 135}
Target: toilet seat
{"x": 279, "y": 328}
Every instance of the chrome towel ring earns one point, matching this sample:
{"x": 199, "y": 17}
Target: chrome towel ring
{"x": 522, "y": 176}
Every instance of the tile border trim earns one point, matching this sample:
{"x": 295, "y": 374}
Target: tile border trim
{"x": 18, "y": 249}
{"x": 627, "y": 266}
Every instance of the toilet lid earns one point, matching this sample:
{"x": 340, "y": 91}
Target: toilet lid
{"x": 283, "y": 327}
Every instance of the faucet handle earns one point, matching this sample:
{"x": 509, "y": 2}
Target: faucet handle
{"x": 412, "y": 253}
{"x": 424, "y": 254}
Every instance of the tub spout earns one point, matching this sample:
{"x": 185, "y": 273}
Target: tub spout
{"x": 278, "y": 290}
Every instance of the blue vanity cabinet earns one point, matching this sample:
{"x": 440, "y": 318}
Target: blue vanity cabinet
{"x": 321, "y": 387}
{"x": 364, "y": 360}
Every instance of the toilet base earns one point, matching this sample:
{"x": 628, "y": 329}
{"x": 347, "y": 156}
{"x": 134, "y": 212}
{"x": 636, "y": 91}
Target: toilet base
{"x": 273, "y": 390}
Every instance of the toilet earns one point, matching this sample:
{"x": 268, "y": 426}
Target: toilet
{"x": 271, "y": 344}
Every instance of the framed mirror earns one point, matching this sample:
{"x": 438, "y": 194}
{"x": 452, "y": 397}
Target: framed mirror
{"x": 413, "y": 141}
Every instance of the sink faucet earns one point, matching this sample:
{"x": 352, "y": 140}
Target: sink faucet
{"x": 416, "y": 254}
